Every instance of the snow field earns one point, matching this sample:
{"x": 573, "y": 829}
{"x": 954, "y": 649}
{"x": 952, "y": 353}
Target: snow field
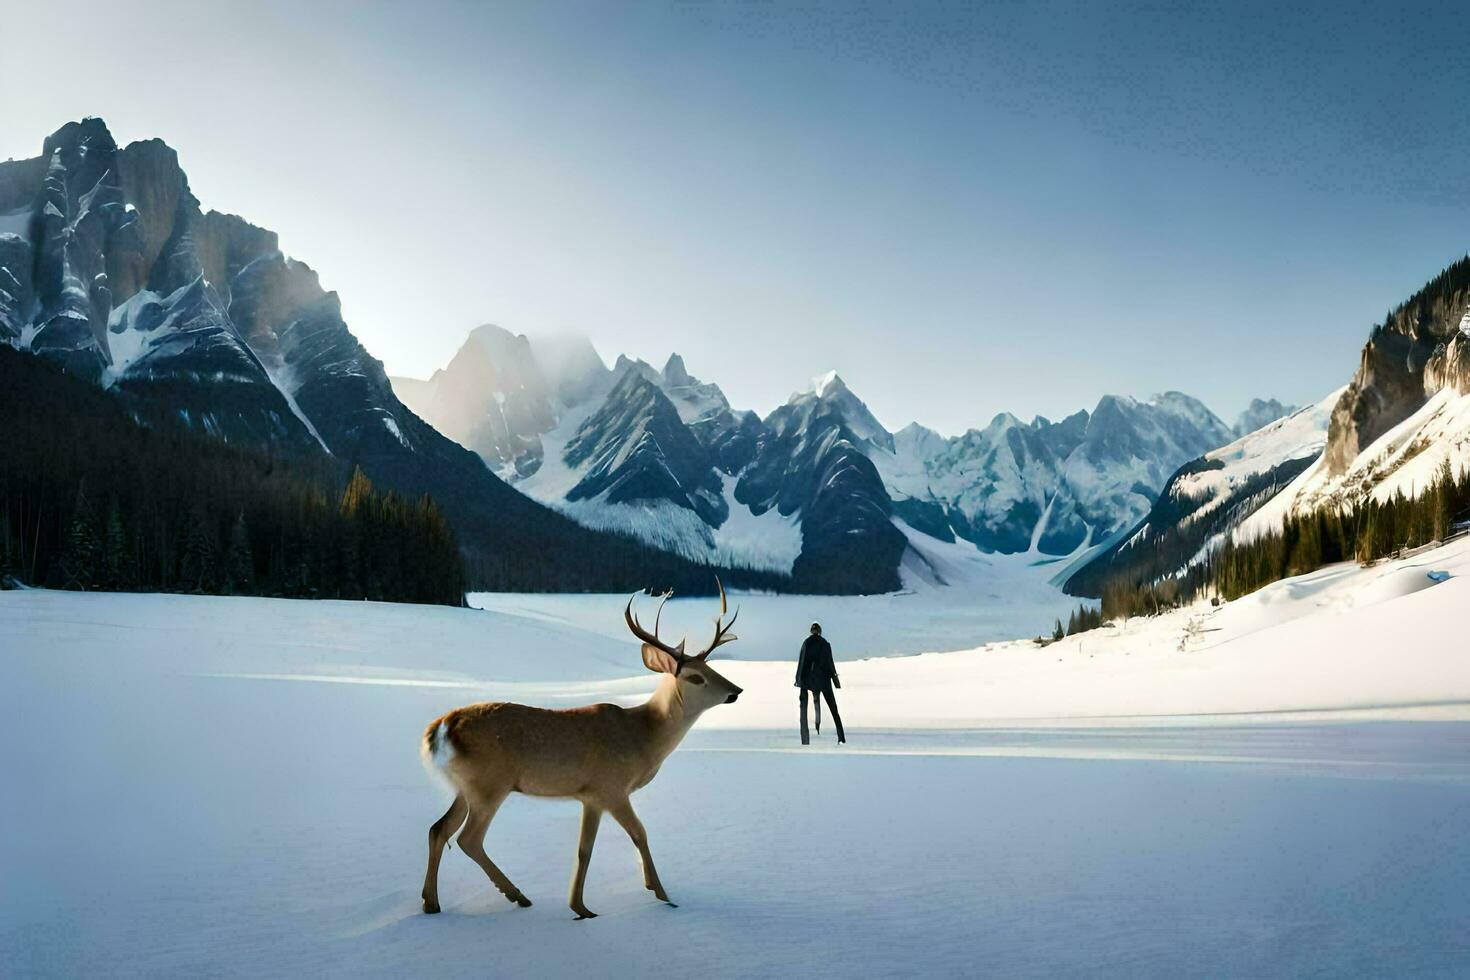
{"x": 217, "y": 786}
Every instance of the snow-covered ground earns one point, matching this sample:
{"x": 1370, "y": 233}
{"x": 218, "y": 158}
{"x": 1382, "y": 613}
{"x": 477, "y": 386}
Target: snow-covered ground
{"x": 993, "y": 597}
{"x": 217, "y": 786}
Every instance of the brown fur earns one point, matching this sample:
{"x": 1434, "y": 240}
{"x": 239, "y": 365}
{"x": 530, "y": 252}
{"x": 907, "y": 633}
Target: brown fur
{"x": 598, "y": 754}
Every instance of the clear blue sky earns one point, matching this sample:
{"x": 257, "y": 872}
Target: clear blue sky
{"x": 965, "y": 208}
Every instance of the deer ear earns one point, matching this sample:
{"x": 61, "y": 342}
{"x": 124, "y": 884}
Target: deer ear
{"x": 659, "y": 661}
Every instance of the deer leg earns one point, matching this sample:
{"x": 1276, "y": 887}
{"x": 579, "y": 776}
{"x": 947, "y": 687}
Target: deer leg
{"x": 439, "y": 835}
{"x": 591, "y": 817}
{"x": 472, "y": 842}
{"x": 623, "y": 813}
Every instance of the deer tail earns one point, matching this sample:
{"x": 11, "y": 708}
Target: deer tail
{"x": 437, "y": 749}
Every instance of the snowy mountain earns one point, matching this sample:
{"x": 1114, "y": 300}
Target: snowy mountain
{"x": 819, "y": 487}
{"x": 813, "y": 460}
{"x": 497, "y": 397}
{"x": 1405, "y": 414}
{"x": 1260, "y": 413}
{"x": 637, "y": 447}
{"x": 1208, "y": 497}
{"x": 110, "y": 268}
{"x": 1402, "y": 419}
{"x": 1053, "y": 487}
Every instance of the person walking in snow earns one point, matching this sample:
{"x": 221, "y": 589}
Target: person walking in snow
{"x": 817, "y": 674}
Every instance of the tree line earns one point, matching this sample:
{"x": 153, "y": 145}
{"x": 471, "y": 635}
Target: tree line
{"x": 1364, "y": 532}
{"x": 92, "y": 499}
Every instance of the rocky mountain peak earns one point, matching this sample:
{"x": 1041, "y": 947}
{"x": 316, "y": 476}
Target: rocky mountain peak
{"x": 675, "y": 374}
{"x": 496, "y": 340}
{"x": 830, "y": 383}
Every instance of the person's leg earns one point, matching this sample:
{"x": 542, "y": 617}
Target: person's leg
{"x": 806, "y": 738}
{"x": 832, "y": 705}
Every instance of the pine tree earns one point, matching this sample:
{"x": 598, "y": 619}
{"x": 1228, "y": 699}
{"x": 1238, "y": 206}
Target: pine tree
{"x": 198, "y": 561}
{"x": 119, "y": 568}
{"x": 9, "y": 560}
{"x": 240, "y": 562}
{"x": 359, "y": 491}
{"x": 1056, "y": 631}
{"x": 81, "y": 555}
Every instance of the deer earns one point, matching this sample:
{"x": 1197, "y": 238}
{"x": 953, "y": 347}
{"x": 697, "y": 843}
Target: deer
{"x": 599, "y": 754}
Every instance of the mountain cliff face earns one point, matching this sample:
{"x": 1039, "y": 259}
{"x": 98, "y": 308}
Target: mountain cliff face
{"x": 110, "y": 268}
{"x": 1419, "y": 350}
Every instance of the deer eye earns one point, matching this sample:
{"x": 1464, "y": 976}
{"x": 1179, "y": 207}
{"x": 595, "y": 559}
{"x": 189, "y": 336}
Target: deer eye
{"x": 695, "y": 679}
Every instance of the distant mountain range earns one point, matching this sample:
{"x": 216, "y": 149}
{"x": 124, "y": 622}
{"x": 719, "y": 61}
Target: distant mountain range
{"x": 818, "y": 487}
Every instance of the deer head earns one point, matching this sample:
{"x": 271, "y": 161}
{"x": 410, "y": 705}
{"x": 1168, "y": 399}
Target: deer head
{"x": 699, "y": 686}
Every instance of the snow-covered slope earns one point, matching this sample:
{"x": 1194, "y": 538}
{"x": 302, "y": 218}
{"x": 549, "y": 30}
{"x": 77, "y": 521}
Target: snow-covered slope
{"x": 1404, "y": 416}
{"x": 1208, "y": 497}
{"x": 1404, "y": 460}
{"x": 1260, "y": 413}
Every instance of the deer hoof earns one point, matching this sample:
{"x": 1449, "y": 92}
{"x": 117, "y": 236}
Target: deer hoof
{"x": 430, "y": 907}
{"x": 584, "y": 914}
{"x": 670, "y": 904}
{"x": 522, "y": 901}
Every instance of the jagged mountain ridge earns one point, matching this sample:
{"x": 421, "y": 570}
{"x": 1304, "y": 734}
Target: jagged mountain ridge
{"x": 1055, "y": 487}
{"x": 110, "y": 268}
{"x": 824, "y": 463}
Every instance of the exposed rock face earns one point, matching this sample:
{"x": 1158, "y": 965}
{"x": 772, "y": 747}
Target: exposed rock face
{"x": 1449, "y": 365}
{"x": 1416, "y": 352}
{"x": 15, "y": 286}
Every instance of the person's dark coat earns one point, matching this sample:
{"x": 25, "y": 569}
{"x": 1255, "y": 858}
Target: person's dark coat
{"x": 815, "y": 670}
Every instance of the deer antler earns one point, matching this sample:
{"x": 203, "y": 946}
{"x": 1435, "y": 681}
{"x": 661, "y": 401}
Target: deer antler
{"x": 659, "y": 613}
{"x": 722, "y": 628}
{"x": 652, "y": 638}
